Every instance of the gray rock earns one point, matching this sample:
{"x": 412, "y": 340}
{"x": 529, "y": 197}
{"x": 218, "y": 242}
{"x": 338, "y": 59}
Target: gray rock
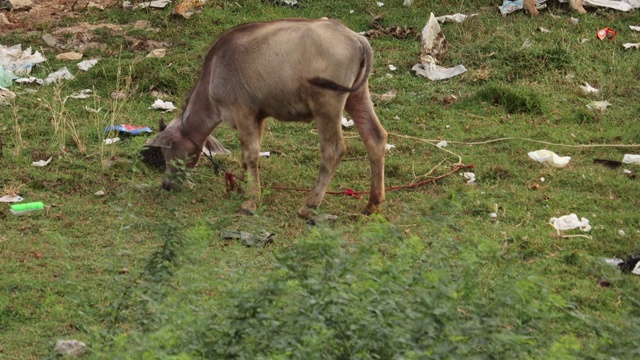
{"x": 70, "y": 348}
{"x": 50, "y": 40}
{"x": 20, "y": 4}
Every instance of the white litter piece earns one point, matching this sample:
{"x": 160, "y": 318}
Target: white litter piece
{"x": 549, "y": 158}
{"x": 613, "y": 261}
{"x": 29, "y": 80}
{"x": 542, "y": 179}
{"x": 458, "y": 18}
{"x": 82, "y": 94}
{"x": 631, "y": 159}
{"x": 407, "y": 3}
{"x": 392, "y": 67}
{"x": 442, "y": 144}
{"x": 380, "y": 4}
{"x": 109, "y": 141}
{"x": 544, "y": 30}
{"x": 99, "y": 193}
{"x": 434, "y": 46}
{"x": 158, "y": 4}
{"x": 570, "y": 222}
{"x": 493, "y": 215}
{"x": 92, "y": 110}
{"x": 634, "y": 28}
{"x": 621, "y": 232}
{"x": 347, "y": 123}
{"x": 69, "y": 56}
{"x": 265, "y": 153}
{"x": 167, "y": 106}
{"x": 628, "y": 46}
{"x": 624, "y": 5}
{"x": 17, "y": 61}
{"x": 41, "y": 163}
{"x": 574, "y": 21}
{"x": 471, "y": 177}
{"x": 526, "y": 44}
{"x": 627, "y": 172}
{"x": 6, "y": 96}
{"x": 157, "y": 53}
{"x": 508, "y": 7}
{"x": 389, "y": 147}
{"x": 87, "y": 64}
{"x": 11, "y": 198}
{"x": 439, "y": 73}
{"x": 584, "y": 40}
{"x": 63, "y": 73}
{"x": 598, "y": 105}
{"x": 396, "y": 117}
{"x": 588, "y": 89}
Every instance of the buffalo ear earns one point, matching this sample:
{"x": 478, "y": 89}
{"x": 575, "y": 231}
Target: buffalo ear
{"x": 162, "y": 125}
{"x": 214, "y": 146}
{"x": 162, "y": 140}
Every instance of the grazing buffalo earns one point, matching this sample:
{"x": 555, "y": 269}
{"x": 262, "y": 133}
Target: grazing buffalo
{"x": 291, "y": 70}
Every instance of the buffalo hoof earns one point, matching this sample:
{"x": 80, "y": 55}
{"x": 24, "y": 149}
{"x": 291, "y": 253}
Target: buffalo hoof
{"x": 168, "y": 185}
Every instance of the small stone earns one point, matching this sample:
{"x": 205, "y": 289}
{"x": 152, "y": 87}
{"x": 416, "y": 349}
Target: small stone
{"x": 70, "y": 348}
{"x": 4, "y": 20}
{"x": 20, "y": 4}
{"x": 621, "y": 232}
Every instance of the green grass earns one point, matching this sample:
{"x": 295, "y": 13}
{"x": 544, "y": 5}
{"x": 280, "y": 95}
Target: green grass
{"x": 143, "y": 273}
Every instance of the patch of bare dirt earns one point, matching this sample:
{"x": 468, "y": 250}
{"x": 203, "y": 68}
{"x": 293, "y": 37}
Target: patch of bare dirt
{"x": 49, "y": 12}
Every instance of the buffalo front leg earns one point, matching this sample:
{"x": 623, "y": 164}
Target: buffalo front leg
{"x": 374, "y": 136}
{"x": 577, "y": 5}
{"x": 530, "y": 5}
{"x": 332, "y": 151}
{"x": 250, "y": 140}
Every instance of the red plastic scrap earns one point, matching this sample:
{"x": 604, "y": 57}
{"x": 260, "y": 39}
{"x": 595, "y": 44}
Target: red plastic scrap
{"x": 607, "y": 32}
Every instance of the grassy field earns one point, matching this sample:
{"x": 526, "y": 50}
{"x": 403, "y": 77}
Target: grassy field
{"x": 144, "y": 273}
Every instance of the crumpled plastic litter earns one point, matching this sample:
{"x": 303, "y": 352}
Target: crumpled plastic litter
{"x": 622, "y": 5}
{"x": 11, "y": 198}
{"x": 389, "y": 147}
{"x": 128, "y": 129}
{"x": 167, "y": 106}
{"x": 434, "y": 48}
{"x": 471, "y": 177}
{"x": 549, "y": 158}
{"x": 631, "y": 265}
{"x": 457, "y": 17}
{"x": 347, "y": 122}
{"x": 508, "y": 7}
{"x": 569, "y": 222}
{"x": 85, "y": 65}
{"x": 158, "y": 4}
{"x": 248, "y": 239}
{"x": 69, "y": 56}
{"x": 29, "y": 81}
{"x": 157, "y": 53}
{"x": 442, "y": 144}
{"x": 42, "y": 163}
{"x": 6, "y": 77}
{"x": 82, "y": 94}
{"x": 628, "y": 46}
{"x": 631, "y": 159}
{"x": 634, "y": 28}
{"x": 606, "y": 33}
{"x": 17, "y": 61}
{"x": 598, "y": 105}
{"x": 63, "y": 73}
{"x": 109, "y": 141}
{"x": 588, "y": 89}
{"x": 6, "y": 96}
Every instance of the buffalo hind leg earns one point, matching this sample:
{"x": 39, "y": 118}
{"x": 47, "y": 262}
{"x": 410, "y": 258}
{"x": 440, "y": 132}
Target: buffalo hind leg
{"x": 374, "y": 136}
{"x": 577, "y": 5}
{"x": 332, "y": 150}
{"x": 250, "y": 141}
{"x": 530, "y": 5}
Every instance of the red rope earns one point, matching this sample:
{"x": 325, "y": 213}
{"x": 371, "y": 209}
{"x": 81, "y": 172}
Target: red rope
{"x": 356, "y": 194}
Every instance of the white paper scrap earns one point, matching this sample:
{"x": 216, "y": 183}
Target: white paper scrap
{"x": 347, "y": 123}
{"x": 10, "y": 198}
{"x": 41, "y": 163}
{"x": 631, "y": 159}
{"x": 588, "y": 89}
{"x": 549, "y": 158}
{"x": 87, "y": 64}
{"x": 63, "y": 73}
{"x": 569, "y": 222}
{"x": 167, "y": 106}
{"x": 82, "y": 94}
{"x": 442, "y": 144}
{"x": 109, "y": 141}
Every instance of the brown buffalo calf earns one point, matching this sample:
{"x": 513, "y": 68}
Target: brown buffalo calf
{"x": 291, "y": 70}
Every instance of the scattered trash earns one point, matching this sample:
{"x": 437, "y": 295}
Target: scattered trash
{"x": 396, "y": 117}
{"x": 99, "y": 193}
{"x": 347, "y": 123}
{"x": 606, "y": 33}
{"x": 29, "y": 81}
{"x": 42, "y": 163}
{"x": 588, "y": 89}
{"x": 380, "y": 4}
{"x": 21, "y": 209}
{"x": 6, "y": 77}
{"x": 187, "y": 8}
{"x": 628, "y": 46}
{"x": 63, "y": 73}
{"x": 265, "y": 154}
{"x": 543, "y": 30}
{"x": 388, "y": 96}
{"x": 493, "y": 215}
{"x": 549, "y": 158}
{"x": 248, "y": 239}
{"x": 109, "y": 141}
{"x": 389, "y": 147}
{"x": 508, "y": 7}
{"x": 434, "y": 48}
{"x": 526, "y": 44}
{"x": 286, "y": 2}
{"x": 11, "y": 198}
{"x": 82, "y": 94}
{"x": 627, "y": 5}
{"x": 627, "y": 172}
{"x": 6, "y": 96}
{"x": 69, "y": 56}
{"x": 13, "y": 59}
{"x": 569, "y": 222}
{"x": 71, "y": 348}
{"x": 167, "y": 106}
{"x": 632, "y": 264}
{"x": 392, "y": 67}
{"x": 87, "y": 64}
{"x": 584, "y": 40}
{"x": 128, "y": 129}
{"x": 542, "y": 179}
{"x": 157, "y": 53}
{"x": 631, "y": 159}
{"x": 458, "y": 18}
{"x": 471, "y": 178}
{"x": 92, "y": 110}
{"x": 574, "y": 21}
{"x": 611, "y": 164}
{"x": 598, "y": 105}
{"x": 407, "y": 3}
{"x": 621, "y": 232}
{"x": 442, "y": 144}
{"x": 158, "y": 4}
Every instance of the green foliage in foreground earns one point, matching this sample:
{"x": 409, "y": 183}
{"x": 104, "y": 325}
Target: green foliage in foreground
{"x": 387, "y": 296}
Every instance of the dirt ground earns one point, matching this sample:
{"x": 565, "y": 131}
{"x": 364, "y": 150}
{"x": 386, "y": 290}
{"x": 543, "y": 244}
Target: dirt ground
{"x": 49, "y": 12}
